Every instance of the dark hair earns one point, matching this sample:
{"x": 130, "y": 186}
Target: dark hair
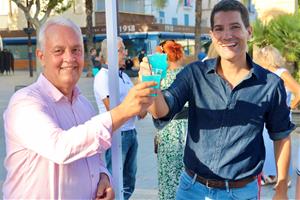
{"x": 92, "y": 49}
{"x": 230, "y": 5}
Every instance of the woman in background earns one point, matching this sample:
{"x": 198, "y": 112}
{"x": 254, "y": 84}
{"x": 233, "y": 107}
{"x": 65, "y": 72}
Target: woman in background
{"x": 271, "y": 59}
{"x": 171, "y": 139}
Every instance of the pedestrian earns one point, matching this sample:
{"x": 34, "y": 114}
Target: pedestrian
{"x": 95, "y": 60}
{"x": 298, "y": 176}
{"x": 171, "y": 139}
{"x": 141, "y": 55}
{"x": 230, "y": 99}
{"x": 53, "y": 136}
{"x": 128, "y": 131}
{"x": 270, "y": 58}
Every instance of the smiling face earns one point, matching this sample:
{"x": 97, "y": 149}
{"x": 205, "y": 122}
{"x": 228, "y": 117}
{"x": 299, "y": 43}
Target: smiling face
{"x": 229, "y": 35}
{"x": 62, "y": 57}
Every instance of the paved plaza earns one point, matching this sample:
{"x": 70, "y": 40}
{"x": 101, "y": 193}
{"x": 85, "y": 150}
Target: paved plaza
{"x": 146, "y": 186}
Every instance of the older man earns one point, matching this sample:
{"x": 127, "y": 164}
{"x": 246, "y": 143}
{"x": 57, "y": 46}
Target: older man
{"x": 128, "y": 131}
{"x": 53, "y": 135}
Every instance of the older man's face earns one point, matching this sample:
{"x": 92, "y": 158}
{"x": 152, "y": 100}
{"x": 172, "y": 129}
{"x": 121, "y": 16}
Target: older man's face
{"x": 62, "y": 58}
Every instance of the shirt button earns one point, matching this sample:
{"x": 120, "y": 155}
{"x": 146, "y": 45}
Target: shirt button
{"x": 92, "y": 175}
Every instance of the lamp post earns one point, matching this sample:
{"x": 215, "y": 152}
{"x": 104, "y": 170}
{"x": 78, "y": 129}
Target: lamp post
{"x": 29, "y": 31}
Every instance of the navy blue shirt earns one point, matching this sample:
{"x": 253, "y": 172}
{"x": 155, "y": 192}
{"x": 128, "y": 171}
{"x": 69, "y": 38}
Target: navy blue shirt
{"x": 224, "y": 140}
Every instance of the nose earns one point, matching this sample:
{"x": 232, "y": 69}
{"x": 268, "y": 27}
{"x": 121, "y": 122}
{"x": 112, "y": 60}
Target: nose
{"x": 69, "y": 56}
{"x": 227, "y": 33}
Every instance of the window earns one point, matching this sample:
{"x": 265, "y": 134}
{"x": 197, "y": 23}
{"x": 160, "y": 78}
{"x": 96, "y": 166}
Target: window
{"x": 100, "y": 5}
{"x": 162, "y": 14}
{"x": 186, "y": 20}
{"x": 187, "y": 3}
{"x": 174, "y": 21}
{"x": 161, "y": 18}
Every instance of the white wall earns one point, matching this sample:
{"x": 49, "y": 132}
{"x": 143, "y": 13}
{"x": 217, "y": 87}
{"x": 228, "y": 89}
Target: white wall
{"x": 173, "y": 10}
{"x": 288, "y": 6}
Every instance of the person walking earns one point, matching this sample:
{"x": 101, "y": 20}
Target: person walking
{"x": 230, "y": 99}
{"x": 270, "y": 58}
{"x": 128, "y": 131}
{"x": 170, "y": 139}
{"x": 95, "y": 60}
{"x": 298, "y": 176}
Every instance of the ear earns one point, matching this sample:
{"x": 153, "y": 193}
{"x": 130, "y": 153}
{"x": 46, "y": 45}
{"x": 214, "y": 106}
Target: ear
{"x": 39, "y": 54}
{"x": 250, "y": 31}
{"x": 211, "y": 33}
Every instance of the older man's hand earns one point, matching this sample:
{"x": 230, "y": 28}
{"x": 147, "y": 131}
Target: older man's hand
{"x": 145, "y": 68}
{"x": 138, "y": 98}
{"x": 104, "y": 191}
{"x": 136, "y": 102}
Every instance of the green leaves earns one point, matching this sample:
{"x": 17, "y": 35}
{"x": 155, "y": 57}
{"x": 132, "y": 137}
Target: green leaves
{"x": 59, "y": 6}
{"x": 282, "y": 32}
{"x": 160, "y": 4}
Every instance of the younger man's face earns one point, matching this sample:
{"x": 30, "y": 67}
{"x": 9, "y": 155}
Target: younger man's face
{"x": 229, "y": 35}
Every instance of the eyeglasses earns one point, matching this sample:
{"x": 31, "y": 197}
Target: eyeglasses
{"x": 122, "y": 49}
{"x": 163, "y": 43}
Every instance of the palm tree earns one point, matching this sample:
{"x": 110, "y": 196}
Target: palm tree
{"x": 283, "y": 32}
{"x": 198, "y": 18}
{"x": 89, "y": 32}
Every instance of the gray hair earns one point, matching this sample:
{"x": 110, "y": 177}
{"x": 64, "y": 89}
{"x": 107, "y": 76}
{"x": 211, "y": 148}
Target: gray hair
{"x": 56, "y": 21}
{"x": 103, "y": 52}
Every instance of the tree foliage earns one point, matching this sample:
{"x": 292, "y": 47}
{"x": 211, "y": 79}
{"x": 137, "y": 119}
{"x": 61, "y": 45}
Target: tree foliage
{"x": 160, "y": 4}
{"x": 37, "y": 11}
{"x": 282, "y": 32}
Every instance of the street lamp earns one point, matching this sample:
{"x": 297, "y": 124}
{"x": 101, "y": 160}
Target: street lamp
{"x": 29, "y": 30}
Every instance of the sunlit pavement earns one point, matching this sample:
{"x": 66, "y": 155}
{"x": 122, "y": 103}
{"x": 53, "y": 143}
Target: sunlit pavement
{"x": 146, "y": 185}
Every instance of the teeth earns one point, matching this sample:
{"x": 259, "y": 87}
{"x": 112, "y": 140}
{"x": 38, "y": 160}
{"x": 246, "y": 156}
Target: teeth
{"x": 228, "y": 45}
{"x": 67, "y": 67}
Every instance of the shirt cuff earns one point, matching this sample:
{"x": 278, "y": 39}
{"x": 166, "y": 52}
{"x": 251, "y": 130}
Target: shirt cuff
{"x": 105, "y": 171}
{"x": 283, "y": 134}
{"x": 162, "y": 122}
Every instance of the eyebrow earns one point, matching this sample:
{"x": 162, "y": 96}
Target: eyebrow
{"x": 231, "y": 24}
{"x": 63, "y": 47}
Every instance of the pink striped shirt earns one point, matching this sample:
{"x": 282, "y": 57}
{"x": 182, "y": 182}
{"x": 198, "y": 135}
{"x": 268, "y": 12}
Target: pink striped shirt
{"x": 53, "y": 146}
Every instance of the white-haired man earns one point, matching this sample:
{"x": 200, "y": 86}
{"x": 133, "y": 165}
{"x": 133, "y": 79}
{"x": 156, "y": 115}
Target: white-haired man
{"x": 53, "y": 135}
{"x": 128, "y": 131}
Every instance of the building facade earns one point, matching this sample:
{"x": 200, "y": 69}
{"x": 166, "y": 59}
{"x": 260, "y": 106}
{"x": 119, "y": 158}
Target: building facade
{"x": 141, "y": 24}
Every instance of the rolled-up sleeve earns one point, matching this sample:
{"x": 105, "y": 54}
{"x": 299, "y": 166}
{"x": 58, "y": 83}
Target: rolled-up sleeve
{"x": 278, "y": 121}
{"x": 175, "y": 96}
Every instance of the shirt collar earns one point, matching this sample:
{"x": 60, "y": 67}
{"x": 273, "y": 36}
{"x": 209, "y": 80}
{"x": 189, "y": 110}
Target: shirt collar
{"x": 50, "y": 90}
{"x": 213, "y": 63}
{"x": 105, "y": 66}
